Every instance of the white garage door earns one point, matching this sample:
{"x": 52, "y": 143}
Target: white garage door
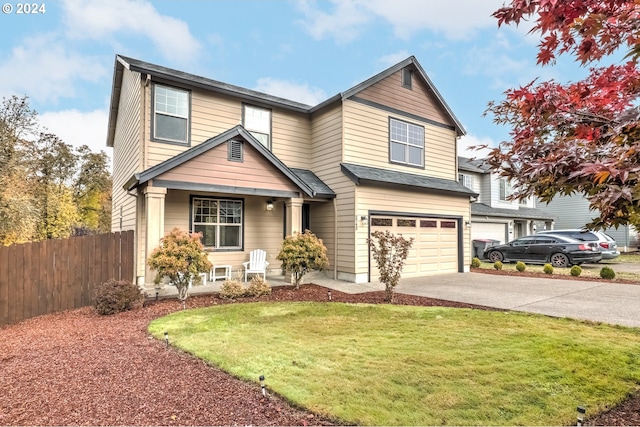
{"x": 435, "y": 245}
{"x": 488, "y": 230}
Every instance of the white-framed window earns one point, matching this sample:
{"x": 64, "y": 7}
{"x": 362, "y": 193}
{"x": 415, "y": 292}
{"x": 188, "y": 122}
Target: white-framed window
{"x": 406, "y": 144}
{"x": 505, "y": 189}
{"x": 170, "y": 114}
{"x": 258, "y": 122}
{"x": 219, "y": 221}
{"x": 466, "y": 180}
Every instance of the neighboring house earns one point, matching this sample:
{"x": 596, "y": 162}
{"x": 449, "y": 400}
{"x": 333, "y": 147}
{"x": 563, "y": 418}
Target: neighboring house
{"x": 246, "y": 169}
{"x": 493, "y": 216}
{"x": 573, "y": 212}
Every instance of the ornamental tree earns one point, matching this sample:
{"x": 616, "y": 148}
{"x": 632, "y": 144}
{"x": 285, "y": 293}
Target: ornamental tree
{"x": 302, "y": 253}
{"x": 180, "y": 258}
{"x": 582, "y": 137}
{"x": 390, "y": 253}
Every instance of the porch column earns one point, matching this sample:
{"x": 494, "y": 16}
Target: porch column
{"x": 154, "y": 216}
{"x": 294, "y": 215}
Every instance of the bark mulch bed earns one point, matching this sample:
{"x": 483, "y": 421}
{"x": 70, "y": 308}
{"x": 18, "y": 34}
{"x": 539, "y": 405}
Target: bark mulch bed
{"x": 551, "y": 276}
{"x": 80, "y": 368}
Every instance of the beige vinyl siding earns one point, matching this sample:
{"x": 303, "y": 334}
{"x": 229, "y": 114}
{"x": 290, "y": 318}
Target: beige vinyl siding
{"x": 213, "y": 113}
{"x": 409, "y": 202}
{"x": 367, "y": 142}
{"x": 262, "y": 229}
{"x": 419, "y": 100}
{"x": 326, "y": 156}
{"x": 291, "y": 138}
{"x": 213, "y": 168}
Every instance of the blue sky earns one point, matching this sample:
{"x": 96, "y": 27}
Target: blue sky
{"x": 62, "y": 58}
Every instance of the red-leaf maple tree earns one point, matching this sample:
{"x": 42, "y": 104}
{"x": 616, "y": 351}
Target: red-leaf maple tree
{"x": 581, "y": 137}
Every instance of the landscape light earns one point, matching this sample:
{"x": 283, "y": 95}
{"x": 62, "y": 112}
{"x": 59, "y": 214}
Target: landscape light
{"x": 264, "y": 391}
{"x": 581, "y": 412}
{"x": 166, "y": 338}
{"x": 329, "y": 294}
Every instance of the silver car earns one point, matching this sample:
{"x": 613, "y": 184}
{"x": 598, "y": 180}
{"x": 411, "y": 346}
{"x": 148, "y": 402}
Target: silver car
{"x": 596, "y": 239}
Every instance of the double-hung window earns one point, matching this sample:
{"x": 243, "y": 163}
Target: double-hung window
{"x": 505, "y": 189}
{"x": 258, "y": 122}
{"x": 170, "y": 114}
{"x": 406, "y": 143}
{"x": 219, "y": 221}
{"x": 466, "y": 180}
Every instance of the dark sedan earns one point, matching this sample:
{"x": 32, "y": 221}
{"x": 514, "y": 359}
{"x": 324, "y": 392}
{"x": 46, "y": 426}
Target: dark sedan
{"x": 541, "y": 249}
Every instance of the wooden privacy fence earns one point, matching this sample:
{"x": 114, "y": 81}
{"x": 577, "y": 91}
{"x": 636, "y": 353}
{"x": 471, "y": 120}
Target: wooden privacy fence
{"x": 53, "y": 275}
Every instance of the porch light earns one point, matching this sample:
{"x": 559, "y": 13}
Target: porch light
{"x": 264, "y": 391}
{"x": 166, "y": 338}
{"x": 581, "y": 412}
{"x": 270, "y": 205}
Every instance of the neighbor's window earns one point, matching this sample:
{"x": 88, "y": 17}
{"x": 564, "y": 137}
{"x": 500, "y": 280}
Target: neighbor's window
{"x": 466, "y": 180}
{"x": 505, "y": 189}
{"x": 170, "y": 114}
{"x": 258, "y": 122}
{"x": 407, "y": 143}
{"x": 219, "y": 221}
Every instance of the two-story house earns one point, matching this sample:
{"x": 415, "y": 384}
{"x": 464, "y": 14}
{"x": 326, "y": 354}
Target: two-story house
{"x": 246, "y": 169}
{"x": 493, "y": 215}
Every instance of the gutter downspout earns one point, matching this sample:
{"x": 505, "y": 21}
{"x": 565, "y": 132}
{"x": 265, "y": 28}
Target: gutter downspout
{"x": 335, "y": 239}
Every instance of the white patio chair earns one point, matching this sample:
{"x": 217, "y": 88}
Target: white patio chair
{"x": 257, "y": 264}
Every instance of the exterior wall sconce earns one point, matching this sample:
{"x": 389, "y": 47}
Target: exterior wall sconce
{"x": 467, "y": 224}
{"x": 270, "y": 205}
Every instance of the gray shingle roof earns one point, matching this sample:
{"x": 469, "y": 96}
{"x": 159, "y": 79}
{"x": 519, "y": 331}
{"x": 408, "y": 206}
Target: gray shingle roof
{"x": 316, "y": 184}
{"x": 520, "y": 213}
{"x": 475, "y": 165}
{"x": 359, "y": 174}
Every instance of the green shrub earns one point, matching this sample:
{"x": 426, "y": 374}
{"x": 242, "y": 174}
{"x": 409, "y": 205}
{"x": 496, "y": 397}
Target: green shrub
{"x": 258, "y": 287}
{"x": 115, "y": 296}
{"x": 180, "y": 258}
{"x": 607, "y": 273}
{"x": 232, "y": 289}
{"x": 548, "y": 269}
{"x": 302, "y": 253}
{"x": 576, "y": 270}
{"x": 475, "y": 262}
{"x": 521, "y": 266}
{"x": 497, "y": 265}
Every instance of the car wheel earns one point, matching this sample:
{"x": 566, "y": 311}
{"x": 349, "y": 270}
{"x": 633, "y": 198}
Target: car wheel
{"x": 495, "y": 256}
{"x": 560, "y": 260}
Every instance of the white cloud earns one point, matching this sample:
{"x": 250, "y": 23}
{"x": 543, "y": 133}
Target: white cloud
{"x": 393, "y": 58}
{"x": 289, "y": 90}
{"x": 43, "y": 69}
{"x": 98, "y": 19}
{"x": 78, "y": 127}
{"x": 468, "y": 141}
{"x": 456, "y": 19}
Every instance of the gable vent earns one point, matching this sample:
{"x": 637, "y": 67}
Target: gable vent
{"x": 235, "y": 151}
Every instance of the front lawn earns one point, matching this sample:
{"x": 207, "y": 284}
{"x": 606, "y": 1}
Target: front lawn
{"x": 404, "y": 365}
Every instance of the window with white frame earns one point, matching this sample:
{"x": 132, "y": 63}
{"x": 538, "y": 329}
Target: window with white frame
{"x": 466, "y": 180}
{"x": 406, "y": 143}
{"x": 258, "y": 122}
{"x": 505, "y": 189}
{"x": 219, "y": 221}
{"x": 170, "y": 114}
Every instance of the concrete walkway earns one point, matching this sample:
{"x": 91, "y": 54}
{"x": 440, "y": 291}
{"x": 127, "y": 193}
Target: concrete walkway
{"x": 596, "y": 301}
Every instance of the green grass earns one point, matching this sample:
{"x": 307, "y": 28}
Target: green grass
{"x": 401, "y": 365}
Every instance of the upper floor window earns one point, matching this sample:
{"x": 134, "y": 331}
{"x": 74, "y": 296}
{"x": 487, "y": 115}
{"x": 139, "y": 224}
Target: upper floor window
{"x": 258, "y": 122}
{"x": 406, "y": 77}
{"x": 406, "y": 143}
{"x": 505, "y": 189}
{"x": 170, "y": 114}
{"x": 219, "y": 221}
{"x": 466, "y": 180}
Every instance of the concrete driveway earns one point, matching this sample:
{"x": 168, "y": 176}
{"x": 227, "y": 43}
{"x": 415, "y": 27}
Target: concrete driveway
{"x": 596, "y": 301}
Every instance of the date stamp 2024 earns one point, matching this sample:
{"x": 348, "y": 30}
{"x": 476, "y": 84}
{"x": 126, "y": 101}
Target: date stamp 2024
{"x": 24, "y": 8}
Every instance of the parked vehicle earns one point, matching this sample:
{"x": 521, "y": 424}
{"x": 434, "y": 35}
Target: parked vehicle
{"x": 596, "y": 239}
{"x": 560, "y": 251}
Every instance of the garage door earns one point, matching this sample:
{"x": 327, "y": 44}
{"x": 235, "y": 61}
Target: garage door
{"x": 488, "y": 230}
{"x": 435, "y": 245}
